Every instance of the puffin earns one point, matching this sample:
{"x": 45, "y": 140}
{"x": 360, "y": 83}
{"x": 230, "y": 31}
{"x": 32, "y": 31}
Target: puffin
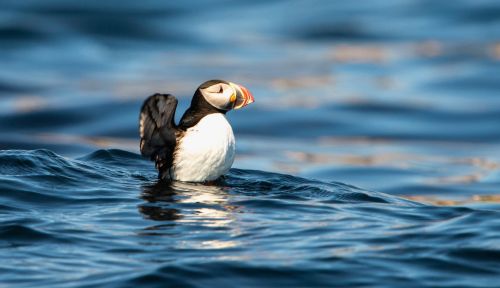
{"x": 201, "y": 147}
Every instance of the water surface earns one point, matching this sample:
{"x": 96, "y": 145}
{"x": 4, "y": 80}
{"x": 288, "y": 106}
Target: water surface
{"x": 398, "y": 98}
{"x": 104, "y": 219}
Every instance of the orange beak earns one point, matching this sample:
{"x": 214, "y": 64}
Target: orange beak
{"x": 242, "y": 98}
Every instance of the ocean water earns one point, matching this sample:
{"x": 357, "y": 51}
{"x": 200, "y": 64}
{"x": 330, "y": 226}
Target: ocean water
{"x": 371, "y": 157}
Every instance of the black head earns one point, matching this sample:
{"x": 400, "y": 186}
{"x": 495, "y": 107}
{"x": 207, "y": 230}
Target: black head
{"x": 215, "y": 96}
{"x": 223, "y": 95}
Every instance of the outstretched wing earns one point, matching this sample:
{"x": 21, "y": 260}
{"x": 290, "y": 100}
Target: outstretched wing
{"x": 158, "y": 130}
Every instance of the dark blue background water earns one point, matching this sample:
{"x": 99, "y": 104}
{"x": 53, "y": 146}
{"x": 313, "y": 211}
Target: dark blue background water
{"x": 400, "y": 97}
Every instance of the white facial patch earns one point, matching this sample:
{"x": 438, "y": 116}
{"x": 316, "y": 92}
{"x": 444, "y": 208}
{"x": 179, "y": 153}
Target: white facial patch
{"x": 218, "y": 95}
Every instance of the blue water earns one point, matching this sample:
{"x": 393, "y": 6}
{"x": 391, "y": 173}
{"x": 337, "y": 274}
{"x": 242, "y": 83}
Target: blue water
{"x": 371, "y": 156}
{"x": 104, "y": 219}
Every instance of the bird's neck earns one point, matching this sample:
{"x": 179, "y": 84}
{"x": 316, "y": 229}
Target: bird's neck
{"x": 199, "y": 108}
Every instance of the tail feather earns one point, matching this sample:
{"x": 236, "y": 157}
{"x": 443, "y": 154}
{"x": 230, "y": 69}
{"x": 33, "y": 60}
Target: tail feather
{"x": 157, "y": 130}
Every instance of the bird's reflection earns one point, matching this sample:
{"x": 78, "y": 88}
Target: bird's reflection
{"x": 178, "y": 201}
{"x": 186, "y": 210}
{"x": 158, "y": 196}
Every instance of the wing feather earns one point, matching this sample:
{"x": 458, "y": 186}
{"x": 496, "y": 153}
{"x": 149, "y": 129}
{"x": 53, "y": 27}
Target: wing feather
{"x": 158, "y": 130}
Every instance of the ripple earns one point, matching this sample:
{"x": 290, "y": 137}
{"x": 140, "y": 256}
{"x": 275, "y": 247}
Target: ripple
{"x": 15, "y": 234}
{"x": 399, "y": 97}
{"x": 253, "y": 227}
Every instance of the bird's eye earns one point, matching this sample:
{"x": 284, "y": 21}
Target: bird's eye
{"x": 216, "y": 89}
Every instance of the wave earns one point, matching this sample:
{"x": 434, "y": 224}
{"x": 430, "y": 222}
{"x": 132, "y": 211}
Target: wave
{"x": 105, "y": 219}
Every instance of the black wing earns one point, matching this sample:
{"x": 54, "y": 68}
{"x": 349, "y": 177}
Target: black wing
{"x": 158, "y": 130}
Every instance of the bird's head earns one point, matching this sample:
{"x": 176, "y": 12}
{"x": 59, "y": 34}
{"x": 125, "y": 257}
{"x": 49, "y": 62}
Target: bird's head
{"x": 225, "y": 95}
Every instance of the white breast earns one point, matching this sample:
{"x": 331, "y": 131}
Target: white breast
{"x": 205, "y": 152}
